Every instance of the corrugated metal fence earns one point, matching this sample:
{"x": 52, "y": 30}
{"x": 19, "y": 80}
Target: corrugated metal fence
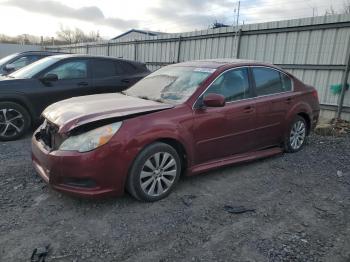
{"x": 7, "y": 49}
{"x": 313, "y": 49}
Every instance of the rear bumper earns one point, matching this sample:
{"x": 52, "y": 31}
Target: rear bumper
{"x": 98, "y": 173}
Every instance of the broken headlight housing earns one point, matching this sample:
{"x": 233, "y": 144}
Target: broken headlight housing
{"x": 90, "y": 140}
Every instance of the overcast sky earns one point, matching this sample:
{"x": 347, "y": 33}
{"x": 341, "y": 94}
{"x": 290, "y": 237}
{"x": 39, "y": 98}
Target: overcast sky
{"x": 112, "y": 17}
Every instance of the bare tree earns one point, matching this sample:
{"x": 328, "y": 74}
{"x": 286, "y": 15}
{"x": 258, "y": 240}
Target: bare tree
{"x": 65, "y": 34}
{"x": 74, "y": 36}
{"x": 346, "y": 7}
{"x": 330, "y": 11}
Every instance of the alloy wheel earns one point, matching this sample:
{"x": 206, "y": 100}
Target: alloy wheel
{"x": 297, "y": 134}
{"x": 11, "y": 122}
{"x": 158, "y": 174}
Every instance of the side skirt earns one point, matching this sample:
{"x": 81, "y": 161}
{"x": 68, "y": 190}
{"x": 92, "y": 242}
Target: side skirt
{"x": 234, "y": 160}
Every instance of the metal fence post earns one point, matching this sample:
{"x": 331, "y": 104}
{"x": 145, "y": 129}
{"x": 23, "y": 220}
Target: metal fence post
{"x": 87, "y": 49}
{"x": 108, "y": 45}
{"x": 238, "y": 45}
{"x": 135, "y": 50}
{"x": 179, "y": 49}
{"x": 344, "y": 83}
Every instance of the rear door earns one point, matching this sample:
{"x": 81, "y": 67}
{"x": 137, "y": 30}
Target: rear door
{"x": 111, "y": 75}
{"x": 225, "y": 131}
{"x": 106, "y": 76}
{"x": 131, "y": 72}
{"x": 273, "y": 89}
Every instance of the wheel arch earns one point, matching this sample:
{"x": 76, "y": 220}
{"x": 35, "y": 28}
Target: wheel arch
{"x": 307, "y": 119}
{"x": 22, "y": 102}
{"x": 301, "y": 109}
{"x": 179, "y": 147}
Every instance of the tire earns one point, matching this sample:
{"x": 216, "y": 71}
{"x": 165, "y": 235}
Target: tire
{"x": 14, "y": 121}
{"x": 151, "y": 181}
{"x": 297, "y": 135}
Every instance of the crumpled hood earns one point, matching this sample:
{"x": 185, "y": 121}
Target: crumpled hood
{"x": 71, "y": 113}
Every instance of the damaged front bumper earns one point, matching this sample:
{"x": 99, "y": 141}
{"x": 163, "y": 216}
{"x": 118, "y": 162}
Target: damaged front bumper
{"x": 97, "y": 173}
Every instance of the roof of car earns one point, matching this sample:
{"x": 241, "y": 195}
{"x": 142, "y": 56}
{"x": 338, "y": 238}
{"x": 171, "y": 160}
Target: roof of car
{"x": 216, "y": 63}
{"x": 64, "y": 56}
{"x": 40, "y": 52}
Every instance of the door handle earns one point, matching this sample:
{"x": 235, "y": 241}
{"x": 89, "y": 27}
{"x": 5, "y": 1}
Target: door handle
{"x": 289, "y": 100}
{"x": 126, "y": 81}
{"x": 83, "y": 84}
{"x": 248, "y": 109}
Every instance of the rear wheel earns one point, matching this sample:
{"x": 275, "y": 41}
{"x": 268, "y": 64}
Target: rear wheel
{"x": 297, "y": 135}
{"x": 14, "y": 121}
{"x": 154, "y": 173}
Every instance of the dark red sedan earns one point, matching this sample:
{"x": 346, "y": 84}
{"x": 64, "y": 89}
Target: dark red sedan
{"x": 185, "y": 118}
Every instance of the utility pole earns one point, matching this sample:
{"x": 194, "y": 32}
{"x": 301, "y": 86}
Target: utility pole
{"x": 237, "y": 25}
{"x": 238, "y": 9}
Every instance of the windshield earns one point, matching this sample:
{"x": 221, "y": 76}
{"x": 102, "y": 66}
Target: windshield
{"x": 34, "y": 68}
{"x": 170, "y": 84}
{"x": 5, "y": 59}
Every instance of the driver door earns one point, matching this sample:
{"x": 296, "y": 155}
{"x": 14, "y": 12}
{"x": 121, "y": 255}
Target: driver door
{"x": 225, "y": 131}
{"x": 73, "y": 80}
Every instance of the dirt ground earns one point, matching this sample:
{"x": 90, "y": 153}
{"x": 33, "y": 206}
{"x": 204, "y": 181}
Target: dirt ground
{"x": 301, "y": 202}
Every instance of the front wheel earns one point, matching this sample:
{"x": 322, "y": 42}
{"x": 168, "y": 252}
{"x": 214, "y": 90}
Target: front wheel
{"x": 297, "y": 135}
{"x": 154, "y": 173}
{"x": 14, "y": 121}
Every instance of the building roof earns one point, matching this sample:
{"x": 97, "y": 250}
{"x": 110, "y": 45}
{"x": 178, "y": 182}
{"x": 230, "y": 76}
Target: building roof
{"x": 145, "y": 32}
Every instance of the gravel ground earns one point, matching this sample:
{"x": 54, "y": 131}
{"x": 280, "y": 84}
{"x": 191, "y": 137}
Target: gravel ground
{"x": 301, "y": 202}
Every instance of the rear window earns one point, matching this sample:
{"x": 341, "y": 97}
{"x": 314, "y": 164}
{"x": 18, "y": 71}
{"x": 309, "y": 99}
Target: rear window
{"x": 269, "y": 81}
{"x": 286, "y": 82}
{"x": 127, "y": 68}
{"x": 104, "y": 68}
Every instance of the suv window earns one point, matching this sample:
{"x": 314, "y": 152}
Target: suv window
{"x": 127, "y": 68}
{"x": 104, "y": 68}
{"x": 70, "y": 70}
{"x": 24, "y": 61}
{"x": 269, "y": 81}
{"x": 233, "y": 85}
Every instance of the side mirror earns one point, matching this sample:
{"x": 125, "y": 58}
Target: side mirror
{"x": 49, "y": 78}
{"x": 214, "y": 100}
{"x": 9, "y": 68}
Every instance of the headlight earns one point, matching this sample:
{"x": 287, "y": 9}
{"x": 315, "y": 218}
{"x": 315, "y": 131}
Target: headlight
{"x": 90, "y": 140}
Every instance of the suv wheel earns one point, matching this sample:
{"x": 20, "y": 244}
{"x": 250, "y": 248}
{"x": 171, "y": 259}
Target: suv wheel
{"x": 14, "y": 121}
{"x": 297, "y": 135}
{"x": 154, "y": 173}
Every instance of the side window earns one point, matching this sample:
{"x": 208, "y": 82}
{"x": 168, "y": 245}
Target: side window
{"x": 22, "y": 62}
{"x": 35, "y": 58}
{"x": 233, "y": 85}
{"x": 104, "y": 68}
{"x": 70, "y": 70}
{"x": 268, "y": 81}
{"x": 286, "y": 82}
{"x": 127, "y": 68}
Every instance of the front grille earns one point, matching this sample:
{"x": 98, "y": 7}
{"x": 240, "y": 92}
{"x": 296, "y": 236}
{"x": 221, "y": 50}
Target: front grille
{"x": 48, "y": 135}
